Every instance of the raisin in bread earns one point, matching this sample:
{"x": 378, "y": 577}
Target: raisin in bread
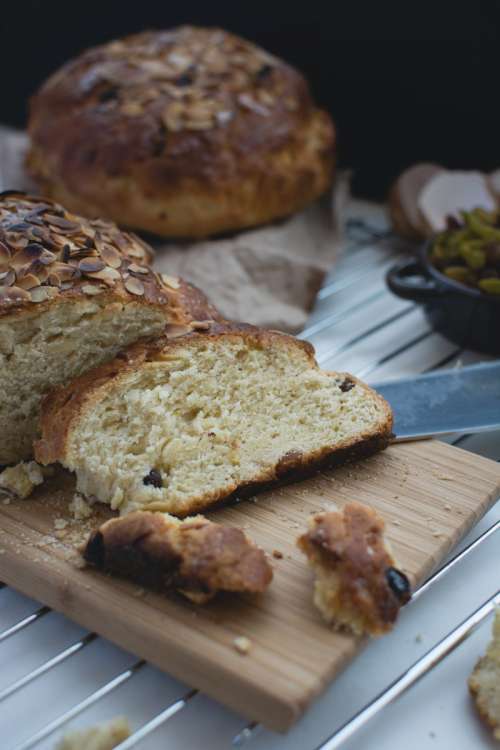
{"x": 72, "y": 294}
{"x": 196, "y": 557}
{"x": 484, "y": 682}
{"x": 357, "y": 586}
{"x": 179, "y": 424}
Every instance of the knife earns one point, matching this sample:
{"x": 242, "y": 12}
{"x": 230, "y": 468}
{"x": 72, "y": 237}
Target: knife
{"x": 462, "y": 399}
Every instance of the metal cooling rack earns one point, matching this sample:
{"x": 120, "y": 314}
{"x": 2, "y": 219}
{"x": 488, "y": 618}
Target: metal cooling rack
{"x": 54, "y": 675}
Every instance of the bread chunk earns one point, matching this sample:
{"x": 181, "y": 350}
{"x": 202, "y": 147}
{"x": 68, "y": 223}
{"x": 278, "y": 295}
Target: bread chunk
{"x": 484, "y": 682}
{"x": 178, "y": 425}
{"x": 20, "y": 480}
{"x": 357, "y": 586}
{"x": 188, "y": 132}
{"x": 72, "y": 294}
{"x": 196, "y": 557}
{"x": 104, "y": 736}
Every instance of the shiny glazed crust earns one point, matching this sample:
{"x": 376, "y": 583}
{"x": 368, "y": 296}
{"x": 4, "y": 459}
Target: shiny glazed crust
{"x": 196, "y": 557}
{"x": 49, "y": 255}
{"x": 62, "y": 407}
{"x": 348, "y": 552}
{"x": 188, "y": 132}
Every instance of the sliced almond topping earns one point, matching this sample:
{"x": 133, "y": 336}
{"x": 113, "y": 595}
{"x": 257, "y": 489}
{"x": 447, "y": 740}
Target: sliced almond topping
{"x": 8, "y": 278}
{"x": 13, "y": 294}
{"x": 110, "y": 255}
{"x": 108, "y": 275}
{"x": 42, "y": 293}
{"x": 134, "y": 268}
{"x": 171, "y": 281}
{"x": 134, "y": 286}
{"x": 4, "y": 257}
{"x": 29, "y": 281}
{"x": 27, "y": 255}
{"x": 91, "y": 265}
{"x": 132, "y": 109}
{"x": 173, "y": 330}
{"x": 60, "y": 222}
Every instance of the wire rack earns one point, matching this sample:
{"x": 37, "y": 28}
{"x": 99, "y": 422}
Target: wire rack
{"x": 54, "y": 675}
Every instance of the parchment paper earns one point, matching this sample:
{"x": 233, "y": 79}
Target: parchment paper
{"x": 267, "y": 276}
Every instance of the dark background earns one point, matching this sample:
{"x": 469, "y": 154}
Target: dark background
{"x": 404, "y": 81}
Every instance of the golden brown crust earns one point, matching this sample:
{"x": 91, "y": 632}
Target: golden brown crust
{"x": 196, "y": 556}
{"x": 349, "y": 547}
{"x": 187, "y": 132}
{"x": 48, "y": 255}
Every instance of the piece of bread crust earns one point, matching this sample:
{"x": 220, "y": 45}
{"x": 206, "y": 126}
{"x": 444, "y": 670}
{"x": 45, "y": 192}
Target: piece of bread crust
{"x": 357, "y": 586}
{"x": 188, "y": 132}
{"x": 105, "y": 736}
{"x": 195, "y": 557}
{"x": 484, "y": 682}
{"x": 232, "y": 348}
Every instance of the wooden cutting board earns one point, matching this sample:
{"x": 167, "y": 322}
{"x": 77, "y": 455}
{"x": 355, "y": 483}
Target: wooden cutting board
{"x": 429, "y": 493}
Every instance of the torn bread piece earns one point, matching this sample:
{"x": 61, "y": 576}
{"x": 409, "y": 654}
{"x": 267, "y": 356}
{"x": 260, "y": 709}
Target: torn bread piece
{"x": 104, "y": 736}
{"x": 196, "y": 557}
{"x": 357, "y": 586}
{"x": 19, "y": 481}
{"x": 484, "y": 682}
{"x": 178, "y": 425}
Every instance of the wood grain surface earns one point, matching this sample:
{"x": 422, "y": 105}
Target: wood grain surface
{"x": 429, "y": 493}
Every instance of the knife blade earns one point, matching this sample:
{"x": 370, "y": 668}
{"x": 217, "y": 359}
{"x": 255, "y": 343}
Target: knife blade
{"x": 462, "y": 399}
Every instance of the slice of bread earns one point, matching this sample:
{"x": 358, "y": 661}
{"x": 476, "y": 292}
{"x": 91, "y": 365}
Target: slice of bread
{"x": 196, "y": 557}
{"x": 484, "y": 682}
{"x": 181, "y": 424}
{"x": 357, "y": 587}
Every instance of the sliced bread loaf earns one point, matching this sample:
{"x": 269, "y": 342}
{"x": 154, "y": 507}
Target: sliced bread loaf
{"x": 179, "y": 424}
{"x": 73, "y": 292}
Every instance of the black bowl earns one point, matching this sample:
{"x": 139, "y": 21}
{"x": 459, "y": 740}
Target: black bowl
{"x": 466, "y": 316}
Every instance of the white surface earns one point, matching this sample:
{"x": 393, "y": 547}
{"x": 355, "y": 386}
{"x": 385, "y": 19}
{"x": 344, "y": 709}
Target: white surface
{"x": 350, "y": 330}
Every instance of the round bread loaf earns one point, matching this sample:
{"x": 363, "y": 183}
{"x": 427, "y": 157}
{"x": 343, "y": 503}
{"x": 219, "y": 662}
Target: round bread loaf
{"x": 73, "y": 292}
{"x": 188, "y": 133}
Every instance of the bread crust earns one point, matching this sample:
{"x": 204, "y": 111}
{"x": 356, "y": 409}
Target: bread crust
{"x": 49, "y": 255}
{"x": 348, "y": 548}
{"x": 187, "y": 133}
{"x": 63, "y": 406}
{"x": 196, "y": 557}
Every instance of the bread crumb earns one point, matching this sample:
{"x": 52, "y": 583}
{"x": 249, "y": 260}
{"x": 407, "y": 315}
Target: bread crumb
{"x": 242, "y": 644}
{"x": 443, "y": 477}
{"x": 447, "y": 507}
{"x": 79, "y": 507}
{"x": 60, "y": 523}
{"x": 101, "y": 737}
{"x": 20, "y": 480}
{"x": 277, "y": 554}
